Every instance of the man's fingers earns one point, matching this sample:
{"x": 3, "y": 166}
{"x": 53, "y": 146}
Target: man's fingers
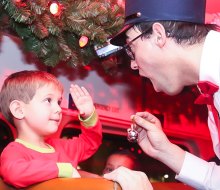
{"x": 142, "y": 122}
{"x": 148, "y": 116}
{"x": 129, "y": 179}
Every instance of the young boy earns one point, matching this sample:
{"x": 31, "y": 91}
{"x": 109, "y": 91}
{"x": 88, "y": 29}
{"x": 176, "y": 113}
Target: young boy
{"x": 30, "y": 100}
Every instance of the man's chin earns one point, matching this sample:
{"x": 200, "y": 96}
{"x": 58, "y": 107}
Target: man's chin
{"x": 142, "y": 74}
{"x": 169, "y": 92}
{"x": 172, "y": 92}
{"x": 156, "y": 88}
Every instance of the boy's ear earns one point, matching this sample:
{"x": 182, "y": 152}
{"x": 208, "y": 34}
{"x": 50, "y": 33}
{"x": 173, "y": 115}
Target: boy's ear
{"x": 16, "y": 108}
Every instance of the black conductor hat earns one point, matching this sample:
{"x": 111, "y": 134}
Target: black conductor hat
{"x": 137, "y": 11}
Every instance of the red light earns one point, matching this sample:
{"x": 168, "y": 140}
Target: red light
{"x": 139, "y": 151}
{"x": 88, "y": 68}
{"x": 20, "y": 3}
{"x": 55, "y": 8}
{"x": 83, "y": 41}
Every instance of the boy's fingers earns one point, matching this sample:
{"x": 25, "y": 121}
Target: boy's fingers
{"x": 85, "y": 91}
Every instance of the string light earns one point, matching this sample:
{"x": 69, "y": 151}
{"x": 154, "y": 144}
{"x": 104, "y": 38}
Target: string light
{"x": 55, "y": 8}
{"x": 166, "y": 176}
{"x": 83, "y": 41}
{"x": 20, "y": 3}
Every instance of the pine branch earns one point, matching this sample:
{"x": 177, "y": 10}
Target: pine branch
{"x": 55, "y": 39}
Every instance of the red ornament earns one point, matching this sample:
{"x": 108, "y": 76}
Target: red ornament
{"x": 83, "y": 41}
{"x": 20, "y": 3}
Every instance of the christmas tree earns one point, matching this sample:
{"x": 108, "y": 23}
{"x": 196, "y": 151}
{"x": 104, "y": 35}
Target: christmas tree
{"x": 57, "y": 37}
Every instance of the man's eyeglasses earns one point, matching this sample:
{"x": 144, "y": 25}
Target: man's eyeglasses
{"x": 127, "y": 46}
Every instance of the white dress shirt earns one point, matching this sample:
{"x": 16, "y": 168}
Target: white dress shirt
{"x": 196, "y": 172}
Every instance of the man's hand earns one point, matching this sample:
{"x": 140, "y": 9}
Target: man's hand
{"x": 129, "y": 179}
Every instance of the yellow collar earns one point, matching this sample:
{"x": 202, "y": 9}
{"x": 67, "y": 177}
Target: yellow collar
{"x": 50, "y": 149}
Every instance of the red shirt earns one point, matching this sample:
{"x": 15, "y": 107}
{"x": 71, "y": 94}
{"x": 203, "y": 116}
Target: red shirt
{"x": 22, "y": 166}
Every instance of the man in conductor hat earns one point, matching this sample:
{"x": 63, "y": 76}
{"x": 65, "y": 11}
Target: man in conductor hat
{"x": 169, "y": 43}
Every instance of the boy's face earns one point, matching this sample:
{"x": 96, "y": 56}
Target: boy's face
{"x": 43, "y": 113}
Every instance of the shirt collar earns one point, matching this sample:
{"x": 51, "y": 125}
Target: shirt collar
{"x": 210, "y": 60}
{"x": 50, "y": 149}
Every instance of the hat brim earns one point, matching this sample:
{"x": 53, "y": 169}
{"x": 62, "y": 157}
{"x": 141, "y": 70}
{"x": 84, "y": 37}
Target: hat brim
{"x": 120, "y": 38}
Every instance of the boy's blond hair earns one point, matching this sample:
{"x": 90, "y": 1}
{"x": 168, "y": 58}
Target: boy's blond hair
{"x": 22, "y": 86}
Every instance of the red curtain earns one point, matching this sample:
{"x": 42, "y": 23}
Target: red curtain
{"x": 213, "y": 11}
{"x": 213, "y": 6}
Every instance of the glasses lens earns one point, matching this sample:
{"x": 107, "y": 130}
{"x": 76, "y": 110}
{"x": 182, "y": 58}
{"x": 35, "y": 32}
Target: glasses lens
{"x": 129, "y": 52}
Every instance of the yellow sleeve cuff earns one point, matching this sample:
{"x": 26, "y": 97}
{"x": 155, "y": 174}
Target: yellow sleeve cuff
{"x": 90, "y": 121}
{"x": 65, "y": 170}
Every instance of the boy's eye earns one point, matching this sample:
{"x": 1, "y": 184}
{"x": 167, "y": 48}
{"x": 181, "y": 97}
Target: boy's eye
{"x": 59, "y": 102}
{"x": 48, "y": 100}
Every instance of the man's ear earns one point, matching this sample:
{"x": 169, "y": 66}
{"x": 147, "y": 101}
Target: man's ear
{"x": 159, "y": 34}
{"x": 16, "y": 108}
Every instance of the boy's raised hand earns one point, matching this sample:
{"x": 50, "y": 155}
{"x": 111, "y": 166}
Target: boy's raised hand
{"x": 82, "y": 100}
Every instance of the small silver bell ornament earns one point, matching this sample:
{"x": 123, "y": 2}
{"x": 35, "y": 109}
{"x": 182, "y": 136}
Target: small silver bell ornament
{"x": 132, "y": 135}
